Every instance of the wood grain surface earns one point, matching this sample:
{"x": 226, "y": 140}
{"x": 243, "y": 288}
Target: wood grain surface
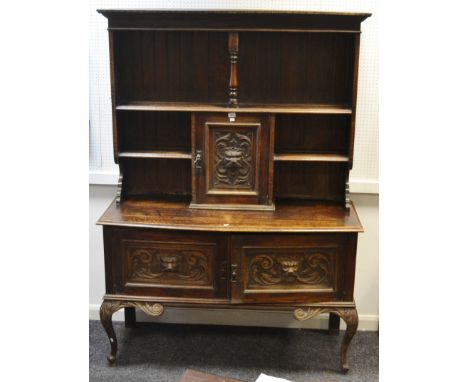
{"x": 297, "y": 216}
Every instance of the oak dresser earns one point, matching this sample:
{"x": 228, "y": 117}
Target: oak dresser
{"x": 234, "y": 133}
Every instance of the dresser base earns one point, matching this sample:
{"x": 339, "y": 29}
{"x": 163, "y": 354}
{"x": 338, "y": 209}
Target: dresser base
{"x": 344, "y": 310}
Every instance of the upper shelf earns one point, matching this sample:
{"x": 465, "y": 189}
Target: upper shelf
{"x": 243, "y": 108}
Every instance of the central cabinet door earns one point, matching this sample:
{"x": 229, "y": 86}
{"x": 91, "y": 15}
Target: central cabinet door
{"x": 232, "y": 161}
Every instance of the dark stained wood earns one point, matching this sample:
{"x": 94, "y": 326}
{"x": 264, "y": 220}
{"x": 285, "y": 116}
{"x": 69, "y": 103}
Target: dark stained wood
{"x": 314, "y": 134}
{"x": 226, "y": 20}
{"x": 115, "y": 135}
{"x": 301, "y": 157}
{"x": 324, "y": 181}
{"x": 233, "y": 168}
{"x": 333, "y": 324}
{"x": 298, "y": 216}
{"x": 233, "y": 56}
{"x": 349, "y": 316}
{"x": 357, "y": 40}
{"x": 156, "y": 154}
{"x": 172, "y": 264}
{"x": 165, "y": 131}
{"x": 300, "y": 68}
{"x": 289, "y": 268}
{"x": 241, "y": 108}
{"x": 226, "y": 304}
{"x": 171, "y": 66}
{"x": 109, "y": 307}
{"x": 130, "y": 317}
{"x": 264, "y": 269}
{"x": 234, "y": 135}
{"x": 160, "y": 177}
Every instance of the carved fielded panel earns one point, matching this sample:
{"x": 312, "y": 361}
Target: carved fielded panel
{"x": 169, "y": 263}
{"x": 232, "y": 158}
{"x": 298, "y": 268}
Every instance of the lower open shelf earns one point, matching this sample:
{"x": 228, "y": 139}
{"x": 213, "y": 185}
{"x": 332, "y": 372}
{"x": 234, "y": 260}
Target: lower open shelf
{"x": 291, "y": 216}
{"x": 163, "y": 154}
{"x": 310, "y": 157}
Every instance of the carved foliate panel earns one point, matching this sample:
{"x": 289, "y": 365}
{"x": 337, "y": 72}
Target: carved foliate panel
{"x": 298, "y": 268}
{"x": 168, "y": 263}
{"x": 233, "y": 164}
{"x": 232, "y": 158}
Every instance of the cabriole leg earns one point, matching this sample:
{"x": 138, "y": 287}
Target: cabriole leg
{"x": 350, "y": 316}
{"x": 108, "y": 308}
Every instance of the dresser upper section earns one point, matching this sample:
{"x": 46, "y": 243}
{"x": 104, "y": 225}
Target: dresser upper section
{"x": 235, "y": 109}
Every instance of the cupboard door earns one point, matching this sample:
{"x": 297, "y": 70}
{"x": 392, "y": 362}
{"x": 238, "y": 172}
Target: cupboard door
{"x": 167, "y": 264}
{"x": 292, "y": 268}
{"x": 233, "y": 161}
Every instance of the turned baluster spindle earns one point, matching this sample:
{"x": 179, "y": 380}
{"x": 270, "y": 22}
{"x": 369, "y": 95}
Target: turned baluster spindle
{"x": 233, "y": 55}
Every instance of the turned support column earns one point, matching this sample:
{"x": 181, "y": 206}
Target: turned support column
{"x": 233, "y": 56}
{"x": 109, "y": 307}
{"x": 349, "y": 316}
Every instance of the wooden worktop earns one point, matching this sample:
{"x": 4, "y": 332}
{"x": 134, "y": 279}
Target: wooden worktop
{"x": 290, "y": 217}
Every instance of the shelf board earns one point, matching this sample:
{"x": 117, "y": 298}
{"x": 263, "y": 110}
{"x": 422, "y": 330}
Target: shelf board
{"x": 156, "y": 154}
{"x": 299, "y": 157}
{"x": 243, "y": 108}
{"x": 297, "y": 216}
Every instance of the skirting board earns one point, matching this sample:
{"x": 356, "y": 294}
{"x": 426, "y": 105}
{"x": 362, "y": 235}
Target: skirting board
{"x": 239, "y": 317}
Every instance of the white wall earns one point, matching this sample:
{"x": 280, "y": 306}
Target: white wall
{"x": 366, "y": 286}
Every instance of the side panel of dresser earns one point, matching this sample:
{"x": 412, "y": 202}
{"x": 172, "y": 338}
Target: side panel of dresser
{"x": 293, "y": 268}
{"x": 157, "y": 263}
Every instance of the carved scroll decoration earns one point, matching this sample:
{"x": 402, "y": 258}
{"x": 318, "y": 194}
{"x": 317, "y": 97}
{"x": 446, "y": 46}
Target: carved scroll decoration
{"x": 154, "y": 265}
{"x": 347, "y": 197}
{"x": 304, "y": 268}
{"x": 119, "y": 188}
{"x": 233, "y": 159}
{"x": 150, "y": 308}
